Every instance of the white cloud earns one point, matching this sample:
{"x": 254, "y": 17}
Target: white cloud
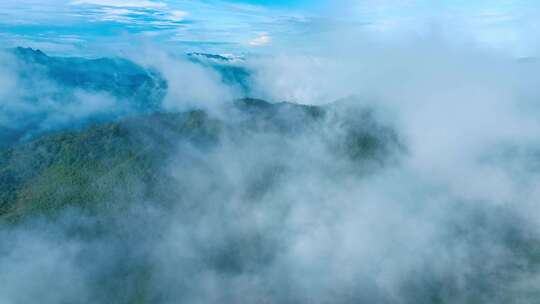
{"x": 178, "y": 15}
{"x": 116, "y": 14}
{"x": 263, "y": 39}
{"x": 132, "y": 12}
{"x": 122, "y": 3}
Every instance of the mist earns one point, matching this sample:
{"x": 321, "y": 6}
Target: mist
{"x": 442, "y": 207}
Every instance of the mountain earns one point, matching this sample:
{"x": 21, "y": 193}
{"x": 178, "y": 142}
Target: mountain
{"x": 115, "y": 187}
{"x": 223, "y": 58}
{"x": 53, "y": 93}
{"x": 152, "y": 202}
{"x": 232, "y": 69}
{"x": 121, "y": 160}
{"x": 118, "y": 77}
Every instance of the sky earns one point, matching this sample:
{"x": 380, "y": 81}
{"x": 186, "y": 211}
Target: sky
{"x": 68, "y": 26}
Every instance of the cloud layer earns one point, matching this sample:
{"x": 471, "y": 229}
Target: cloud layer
{"x": 266, "y": 216}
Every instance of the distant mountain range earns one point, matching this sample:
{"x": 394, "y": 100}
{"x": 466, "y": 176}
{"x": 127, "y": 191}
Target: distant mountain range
{"x": 231, "y": 68}
{"x": 56, "y": 92}
{"x": 227, "y": 58}
{"x": 121, "y": 78}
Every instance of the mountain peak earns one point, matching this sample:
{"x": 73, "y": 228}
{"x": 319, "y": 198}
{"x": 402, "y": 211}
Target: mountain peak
{"x": 29, "y": 54}
{"x": 221, "y": 58}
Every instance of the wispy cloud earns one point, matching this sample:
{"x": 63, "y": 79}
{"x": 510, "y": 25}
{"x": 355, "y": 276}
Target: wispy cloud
{"x": 122, "y": 3}
{"x": 191, "y": 24}
{"x": 261, "y": 40}
{"x": 141, "y": 17}
{"x": 505, "y": 24}
{"x": 178, "y": 15}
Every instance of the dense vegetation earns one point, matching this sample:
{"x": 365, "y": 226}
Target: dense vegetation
{"x": 121, "y": 161}
{"x": 92, "y": 165}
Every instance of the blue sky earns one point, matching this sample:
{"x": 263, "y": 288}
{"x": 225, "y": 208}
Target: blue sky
{"x": 66, "y": 26}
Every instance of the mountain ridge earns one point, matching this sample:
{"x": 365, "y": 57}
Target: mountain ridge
{"x": 144, "y": 141}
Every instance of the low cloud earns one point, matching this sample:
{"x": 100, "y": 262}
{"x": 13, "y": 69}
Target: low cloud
{"x": 41, "y": 93}
{"x": 190, "y": 85}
